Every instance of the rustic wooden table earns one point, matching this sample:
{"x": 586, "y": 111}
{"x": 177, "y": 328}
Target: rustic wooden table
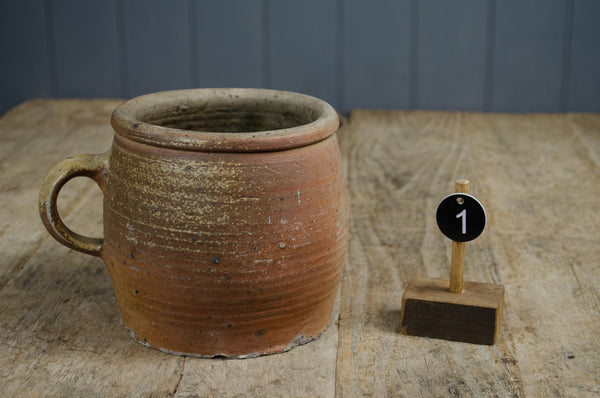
{"x": 538, "y": 175}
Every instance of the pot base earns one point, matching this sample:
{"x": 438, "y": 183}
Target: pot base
{"x": 298, "y": 341}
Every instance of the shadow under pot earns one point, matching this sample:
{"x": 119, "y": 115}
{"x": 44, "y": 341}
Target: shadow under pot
{"x": 225, "y": 219}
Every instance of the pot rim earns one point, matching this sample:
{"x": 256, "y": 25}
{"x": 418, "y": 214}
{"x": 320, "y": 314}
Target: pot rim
{"x": 130, "y": 120}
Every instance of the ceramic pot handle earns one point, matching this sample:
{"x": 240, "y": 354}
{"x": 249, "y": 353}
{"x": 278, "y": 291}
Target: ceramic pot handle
{"x": 91, "y": 166}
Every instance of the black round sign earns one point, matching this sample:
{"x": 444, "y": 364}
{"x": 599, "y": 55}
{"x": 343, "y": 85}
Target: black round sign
{"x": 461, "y": 217}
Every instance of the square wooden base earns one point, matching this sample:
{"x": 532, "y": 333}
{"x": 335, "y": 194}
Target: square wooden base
{"x": 429, "y": 309}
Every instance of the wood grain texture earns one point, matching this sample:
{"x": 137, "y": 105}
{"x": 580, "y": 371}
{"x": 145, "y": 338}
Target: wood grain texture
{"x": 60, "y": 330}
{"x": 457, "y": 258}
{"x": 430, "y": 309}
{"x": 538, "y": 176}
{"x": 457, "y": 267}
{"x": 305, "y": 371}
{"x": 34, "y": 136}
{"x": 540, "y": 243}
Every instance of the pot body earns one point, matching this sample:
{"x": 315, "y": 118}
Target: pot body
{"x": 225, "y": 218}
{"x": 227, "y": 254}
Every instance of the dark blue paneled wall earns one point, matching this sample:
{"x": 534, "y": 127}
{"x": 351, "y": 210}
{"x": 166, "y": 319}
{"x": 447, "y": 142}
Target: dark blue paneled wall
{"x": 482, "y": 55}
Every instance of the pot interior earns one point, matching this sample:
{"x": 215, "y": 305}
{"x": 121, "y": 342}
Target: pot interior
{"x": 232, "y": 117}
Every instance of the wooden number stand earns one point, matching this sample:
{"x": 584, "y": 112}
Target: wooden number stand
{"x": 450, "y": 310}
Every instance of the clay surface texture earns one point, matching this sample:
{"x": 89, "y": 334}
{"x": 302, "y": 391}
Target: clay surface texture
{"x": 225, "y": 220}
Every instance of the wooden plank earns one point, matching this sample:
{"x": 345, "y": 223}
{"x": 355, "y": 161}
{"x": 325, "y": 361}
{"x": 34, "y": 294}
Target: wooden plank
{"x": 305, "y": 371}
{"x": 394, "y": 239}
{"x": 376, "y": 38}
{"x": 26, "y": 72}
{"x": 528, "y": 53}
{"x": 540, "y": 243}
{"x": 226, "y": 56}
{"x": 536, "y": 174}
{"x": 33, "y": 138}
{"x": 303, "y": 47}
{"x": 584, "y": 71}
{"x": 451, "y": 54}
{"x": 545, "y": 252}
{"x": 157, "y": 46}
{"x": 61, "y": 334}
{"x": 86, "y": 48}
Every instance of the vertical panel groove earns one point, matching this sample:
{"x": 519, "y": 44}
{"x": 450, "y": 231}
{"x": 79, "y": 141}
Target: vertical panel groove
{"x": 413, "y": 70}
{"x": 266, "y": 27}
{"x": 451, "y": 54}
{"x": 583, "y": 93}
{"x": 528, "y": 51}
{"x": 51, "y": 47}
{"x": 193, "y": 29}
{"x": 376, "y": 50}
{"x": 566, "y": 56}
{"x": 339, "y": 62}
{"x": 488, "y": 88}
{"x": 124, "y": 84}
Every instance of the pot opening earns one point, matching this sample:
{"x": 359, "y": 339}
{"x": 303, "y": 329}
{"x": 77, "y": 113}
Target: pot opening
{"x": 225, "y": 120}
{"x": 233, "y": 118}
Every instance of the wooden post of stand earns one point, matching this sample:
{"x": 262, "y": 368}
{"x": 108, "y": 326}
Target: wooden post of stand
{"x": 457, "y": 264}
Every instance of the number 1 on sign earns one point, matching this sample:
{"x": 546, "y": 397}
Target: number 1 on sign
{"x": 463, "y": 214}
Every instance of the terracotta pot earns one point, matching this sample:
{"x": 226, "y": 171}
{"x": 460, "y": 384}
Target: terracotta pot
{"x": 225, "y": 218}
